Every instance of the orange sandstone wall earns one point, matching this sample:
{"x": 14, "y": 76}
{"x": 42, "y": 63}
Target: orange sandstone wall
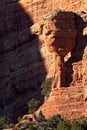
{"x": 37, "y": 8}
{"x": 68, "y": 102}
{"x": 24, "y": 61}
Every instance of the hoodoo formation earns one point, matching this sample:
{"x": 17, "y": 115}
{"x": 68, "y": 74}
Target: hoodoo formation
{"x": 34, "y": 48}
{"x": 58, "y": 31}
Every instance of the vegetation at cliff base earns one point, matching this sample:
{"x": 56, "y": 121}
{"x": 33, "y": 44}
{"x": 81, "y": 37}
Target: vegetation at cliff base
{"x": 56, "y": 122}
{"x": 5, "y": 123}
{"x": 33, "y": 105}
{"x": 46, "y": 86}
{"x": 53, "y": 123}
{"x": 40, "y": 117}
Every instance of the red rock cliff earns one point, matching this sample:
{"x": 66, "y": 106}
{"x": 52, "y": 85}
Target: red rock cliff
{"x": 59, "y": 101}
{"x": 25, "y": 60}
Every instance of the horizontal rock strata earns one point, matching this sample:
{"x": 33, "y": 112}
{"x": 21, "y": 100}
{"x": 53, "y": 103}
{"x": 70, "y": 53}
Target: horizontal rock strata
{"x": 24, "y": 60}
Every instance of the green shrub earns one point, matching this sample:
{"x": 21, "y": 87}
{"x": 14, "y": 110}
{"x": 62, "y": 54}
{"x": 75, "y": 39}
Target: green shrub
{"x": 54, "y": 120}
{"x": 64, "y": 125}
{"x": 40, "y": 117}
{"x": 53, "y": 123}
{"x": 33, "y": 105}
{"x": 19, "y": 118}
{"x": 4, "y": 123}
{"x": 85, "y": 124}
{"x": 46, "y": 87}
{"x": 33, "y": 127}
{"x": 22, "y": 126}
{"x": 79, "y": 125}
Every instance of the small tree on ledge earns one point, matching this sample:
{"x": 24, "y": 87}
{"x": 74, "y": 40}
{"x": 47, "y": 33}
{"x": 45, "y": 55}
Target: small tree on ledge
{"x": 33, "y": 105}
{"x": 46, "y": 87}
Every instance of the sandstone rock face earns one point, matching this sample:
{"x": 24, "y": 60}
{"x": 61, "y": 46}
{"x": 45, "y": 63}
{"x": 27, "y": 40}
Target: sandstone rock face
{"x": 24, "y": 58}
{"x": 27, "y": 118}
{"x": 58, "y": 31}
{"x": 68, "y": 101}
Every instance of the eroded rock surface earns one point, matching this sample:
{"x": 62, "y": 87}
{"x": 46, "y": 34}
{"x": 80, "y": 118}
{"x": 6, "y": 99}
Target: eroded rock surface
{"x": 68, "y": 101}
{"x": 58, "y": 31}
{"x": 25, "y": 61}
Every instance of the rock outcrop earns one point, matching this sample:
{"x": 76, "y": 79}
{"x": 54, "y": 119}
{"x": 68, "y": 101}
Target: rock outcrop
{"x": 67, "y": 101}
{"x": 58, "y": 31}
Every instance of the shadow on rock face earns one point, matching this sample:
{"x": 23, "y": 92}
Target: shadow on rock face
{"x": 74, "y": 64}
{"x": 21, "y": 65}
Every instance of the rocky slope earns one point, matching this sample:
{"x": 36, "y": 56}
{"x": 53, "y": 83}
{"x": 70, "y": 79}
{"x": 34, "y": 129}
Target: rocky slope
{"x": 67, "y": 101}
{"x": 25, "y": 60}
